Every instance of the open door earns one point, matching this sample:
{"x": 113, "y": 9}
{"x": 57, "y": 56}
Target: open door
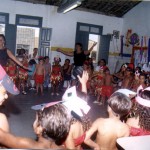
{"x": 104, "y": 47}
{"x": 10, "y": 34}
{"x": 83, "y": 38}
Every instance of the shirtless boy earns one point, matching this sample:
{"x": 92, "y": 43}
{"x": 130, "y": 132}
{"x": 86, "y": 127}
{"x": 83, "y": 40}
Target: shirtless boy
{"x": 128, "y": 78}
{"x": 107, "y": 88}
{"x": 51, "y": 126}
{"x": 110, "y": 129}
{"x": 39, "y": 75}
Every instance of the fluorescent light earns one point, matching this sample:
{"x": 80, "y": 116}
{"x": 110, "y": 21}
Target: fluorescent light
{"x": 72, "y": 7}
{"x": 69, "y": 5}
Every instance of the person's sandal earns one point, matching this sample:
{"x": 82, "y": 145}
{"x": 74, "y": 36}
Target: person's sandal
{"x": 24, "y": 93}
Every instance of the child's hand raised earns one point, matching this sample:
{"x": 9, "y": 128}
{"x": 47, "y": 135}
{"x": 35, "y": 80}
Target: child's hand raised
{"x": 84, "y": 78}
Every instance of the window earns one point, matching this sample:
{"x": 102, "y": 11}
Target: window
{"x": 28, "y": 29}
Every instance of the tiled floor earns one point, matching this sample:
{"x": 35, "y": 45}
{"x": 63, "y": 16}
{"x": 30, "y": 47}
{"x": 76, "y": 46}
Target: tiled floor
{"x": 21, "y": 116}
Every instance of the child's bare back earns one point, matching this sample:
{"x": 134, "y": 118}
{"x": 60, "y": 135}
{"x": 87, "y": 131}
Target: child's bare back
{"x": 107, "y": 135}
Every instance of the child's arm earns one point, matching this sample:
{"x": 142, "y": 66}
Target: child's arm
{"x": 44, "y": 72}
{"x": 49, "y": 69}
{"x": 4, "y": 122}
{"x": 89, "y": 133}
{"x": 61, "y": 70}
{"x": 11, "y": 141}
{"x": 83, "y": 80}
{"x": 69, "y": 69}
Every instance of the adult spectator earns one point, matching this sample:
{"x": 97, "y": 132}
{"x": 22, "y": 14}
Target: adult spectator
{"x": 34, "y": 55}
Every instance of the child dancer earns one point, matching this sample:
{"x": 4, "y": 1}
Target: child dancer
{"x": 107, "y": 88}
{"x": 12, "y": 70}
{"x": 136, "y": 81}
{"x": 142, "y": 83}
{"x": 31, "y": 81}
{"x": 39, "y": 75}
{"x": 98, "y": 84}
{"x": 67, "y": 68}
{"x": 47, "y": 66}
{"x": 110, "y": 129}
{"x": 23, "y": 75}
{"x": 56, "y": 76}
{"x": 128, "y": 78}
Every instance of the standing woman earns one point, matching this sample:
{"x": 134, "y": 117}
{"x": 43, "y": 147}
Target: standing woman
{"x": 79, "y": 57}
{"x": 5, "y": 53}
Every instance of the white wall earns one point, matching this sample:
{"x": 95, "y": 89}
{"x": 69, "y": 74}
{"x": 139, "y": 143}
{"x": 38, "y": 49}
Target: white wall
{"x": 138, "y": 19}
{"x": 63, "y": 25}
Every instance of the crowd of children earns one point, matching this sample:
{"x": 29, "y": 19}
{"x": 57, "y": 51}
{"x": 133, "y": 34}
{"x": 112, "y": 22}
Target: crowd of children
{"x": 101, "y": 83}
{"x": 59, "y": 127}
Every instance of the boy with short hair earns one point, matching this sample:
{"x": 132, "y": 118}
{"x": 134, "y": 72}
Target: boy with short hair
{"x": 39, "y": 75}
{"x": 110, "y": 129}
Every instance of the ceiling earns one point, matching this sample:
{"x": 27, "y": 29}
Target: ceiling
{"x": 108, "y": 7}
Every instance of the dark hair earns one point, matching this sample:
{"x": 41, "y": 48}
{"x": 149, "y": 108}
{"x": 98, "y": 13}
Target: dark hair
{"x": 32, "y": 62}
{"x": 145, "y": 76}
{"x": 55, "y": 121}
{"x": 121, "y": 67}
{"x": 129, "y": 69}
{"x": 67, "y": 60}
{"x": 3, "y": 36}
{"x": 103, "y": 61}
{"x": 119, "y": 103}
{"x": 41, "y": 58}
{"x": 144, "y": 112}
{"x": 79, "y": 45}
{"x": 46, "y": 57}
{"x": 138, "y": 68}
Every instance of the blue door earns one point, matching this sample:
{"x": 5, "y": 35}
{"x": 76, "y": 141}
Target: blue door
{"x": 10, "y": 33}
{"x": 45, "y": 41}
{"x": 104, "y": 47}
{"x": 83, "y": 38}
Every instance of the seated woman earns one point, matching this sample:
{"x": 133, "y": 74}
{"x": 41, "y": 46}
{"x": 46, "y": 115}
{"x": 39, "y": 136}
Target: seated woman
{"x": 140, "y": 123}
{"x": 51, "y": 125}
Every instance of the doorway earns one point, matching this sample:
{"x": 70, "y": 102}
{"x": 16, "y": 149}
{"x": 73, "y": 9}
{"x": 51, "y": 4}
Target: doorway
{"x": 27, "y": 39}
{"x": 2, "y": 28}
{"x": 95, "y": 52}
